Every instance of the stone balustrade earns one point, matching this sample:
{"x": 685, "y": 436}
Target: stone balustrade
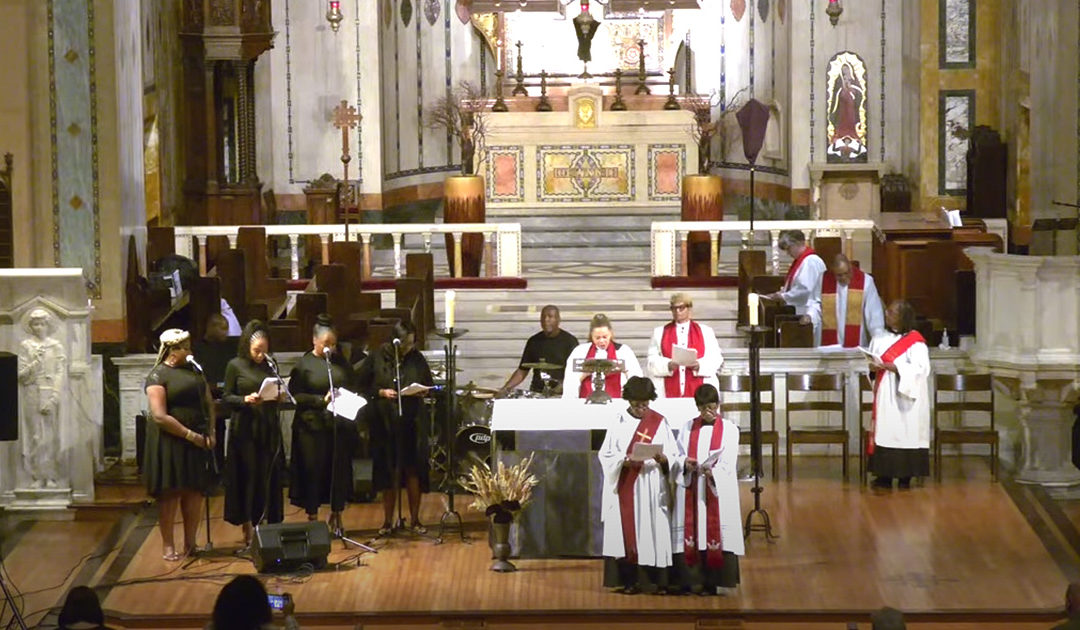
{"x": 502, "y": 242}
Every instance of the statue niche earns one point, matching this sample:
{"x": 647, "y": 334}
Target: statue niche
{"x": 42, "y": 395}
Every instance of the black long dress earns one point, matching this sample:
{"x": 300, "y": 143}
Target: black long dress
{"x": 322, "y": 446}
{"x": 375, "y": 373}
{"x": 254, "y": 457}
{"x": 172, "y": 462}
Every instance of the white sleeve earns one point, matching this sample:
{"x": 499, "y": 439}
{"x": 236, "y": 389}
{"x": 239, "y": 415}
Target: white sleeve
{"x": 710, "y": 364}
{"x": 806, "y": 285}
{"x": 655, "y": 361}
{"x": 572, "y": 379}
{"x": 873, "y": 310}
{"x": 630, "y": 362}
{"x": 681, "y": 478}
{"x": 913, "y": 368}
{"x": 611, "y": 455}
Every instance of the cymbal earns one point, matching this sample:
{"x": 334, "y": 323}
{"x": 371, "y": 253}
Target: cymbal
{"x": 541, "y": 365}
{"x": 472, "y": 393}
{"x": 473, "y": 389}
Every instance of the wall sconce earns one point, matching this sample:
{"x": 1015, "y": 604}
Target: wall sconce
{"x": 833, "y": 11}
{"x": 334, "y": 16}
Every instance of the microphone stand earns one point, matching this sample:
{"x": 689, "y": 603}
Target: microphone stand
{"x": 338, "y": 533}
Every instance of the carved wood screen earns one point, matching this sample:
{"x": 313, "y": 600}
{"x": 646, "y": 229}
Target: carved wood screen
{"x": 7, "y": 232}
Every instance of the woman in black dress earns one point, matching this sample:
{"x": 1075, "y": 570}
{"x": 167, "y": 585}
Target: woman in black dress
{"x": 391, "y": 435}
{"x": 179, "y": 439}
{"x": 322, "y": 444}
{"x": 253, "y": 461}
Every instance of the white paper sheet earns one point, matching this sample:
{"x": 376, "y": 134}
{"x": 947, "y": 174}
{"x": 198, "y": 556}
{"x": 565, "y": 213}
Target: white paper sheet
{"x": 869, "y": 355}
{"x": 346, "y": 404}
{"x": 415, "y": 388}
{"x": 683, "y": 356}
{"x": 643, "y": 452}
{"x": 269, "y": 389}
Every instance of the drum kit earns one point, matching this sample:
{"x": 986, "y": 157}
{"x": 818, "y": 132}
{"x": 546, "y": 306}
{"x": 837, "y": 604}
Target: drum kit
{"x": 472, "y": 439}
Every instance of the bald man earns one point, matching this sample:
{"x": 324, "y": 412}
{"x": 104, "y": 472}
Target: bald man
{"x": 851, "y": 309}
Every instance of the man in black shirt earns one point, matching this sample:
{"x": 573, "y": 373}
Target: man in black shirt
{"x": 551, "y": 345}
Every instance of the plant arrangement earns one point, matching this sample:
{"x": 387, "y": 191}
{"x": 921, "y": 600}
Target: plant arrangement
{"x": 462, "y": 113}
{"x": 503, "y": 492}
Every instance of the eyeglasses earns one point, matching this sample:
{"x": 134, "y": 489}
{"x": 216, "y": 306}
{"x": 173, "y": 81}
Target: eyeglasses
{"x": 679, "y": 307}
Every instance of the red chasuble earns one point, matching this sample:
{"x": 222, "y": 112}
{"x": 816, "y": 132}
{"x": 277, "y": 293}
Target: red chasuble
{"x": 612, "y": 382}
{"x": 901, "y": 346}
{"x": 795, "y": 264}
{"x": 852, "y": 312}
{"x": 695, "y": 340}
{"x": 645, "y": 433}
{"x": 714, "y": 549}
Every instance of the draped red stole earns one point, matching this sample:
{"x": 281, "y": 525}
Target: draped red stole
{"x": 853, "y": 315}
{"x": 612, "y": 382}
{"x": 795, "y": 264}
{"x": 695, "y": 340}
{"x": 644, "y": 433}
{"x": 901, "y": 346}
{"x": 714, "y": 549}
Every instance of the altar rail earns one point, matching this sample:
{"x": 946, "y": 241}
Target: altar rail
{"x": 502, "y": 242}
{"x": 669, "y": 239}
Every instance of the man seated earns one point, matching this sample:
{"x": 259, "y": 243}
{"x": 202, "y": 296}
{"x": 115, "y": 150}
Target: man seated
{"x": 802, "y": 286}
{"x": 671, "y": 379}
{"x": 851, "y": 309}
{"x": 551, "y": 345}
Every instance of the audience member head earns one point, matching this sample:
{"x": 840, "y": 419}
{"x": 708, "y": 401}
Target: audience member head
{"x": 841, "y": 268}
{"x": 600, "y": 331}
{"x": 1072, "y": 600}
{"x": 217, "y": 328}
{"x": 175, "y": 346}
{"x": 254, "y": 342}
{"x": 550, "y": 320}
{"x": 323, "y": 335}
{"x": 792, "y": 242}
{"x": 682, "y": 307}
{"x": 887, "y": 619}
{"x": 639, "y": 389}
{"x": 405, "y": 331}
{"x": 81, "y": 607}
{"x": 900, "y": 317}
{"x": 242, "y": 605}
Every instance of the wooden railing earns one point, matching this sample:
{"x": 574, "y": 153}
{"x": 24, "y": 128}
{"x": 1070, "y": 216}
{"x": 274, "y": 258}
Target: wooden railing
{"x": 669, "y": 239}
{"x": 502, "y": 242}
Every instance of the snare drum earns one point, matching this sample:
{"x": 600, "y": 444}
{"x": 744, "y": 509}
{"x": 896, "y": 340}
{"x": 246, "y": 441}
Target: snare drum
{"x": 472, "y": 445}
{"x": 474, "y": 410}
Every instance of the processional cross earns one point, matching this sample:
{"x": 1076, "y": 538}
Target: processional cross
{"x": 346, "y": 118}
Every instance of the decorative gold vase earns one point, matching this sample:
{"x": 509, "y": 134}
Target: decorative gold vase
{"x": 702, "y": 200}
{"x": 464, "y": 203}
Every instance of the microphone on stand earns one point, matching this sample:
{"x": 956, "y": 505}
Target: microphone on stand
{"x": 194, "y": 363}
{"x": 326, "y": 352}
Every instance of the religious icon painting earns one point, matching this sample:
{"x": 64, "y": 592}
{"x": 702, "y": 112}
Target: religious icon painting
{"x": 431, "y": 11}
{"x": 406, "y": 12}
{"x": 846, "y": 112}
{"x": 738, "y": 8}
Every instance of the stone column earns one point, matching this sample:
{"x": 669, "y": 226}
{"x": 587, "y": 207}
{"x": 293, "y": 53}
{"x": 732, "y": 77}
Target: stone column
{"x": 1046, "y": 421}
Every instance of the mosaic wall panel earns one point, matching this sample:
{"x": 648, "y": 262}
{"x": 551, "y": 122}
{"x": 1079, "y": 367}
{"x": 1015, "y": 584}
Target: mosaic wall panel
{"x": 667, "y": 165}
{"x": 585, "y": 173}
{"x": 505, "y": 178}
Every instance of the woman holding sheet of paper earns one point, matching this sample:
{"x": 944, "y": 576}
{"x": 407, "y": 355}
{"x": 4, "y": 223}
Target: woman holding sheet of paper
{"x": 253, "y": 453}
{"x": 638, "y": 454}
{"x": 392, "y": 435}
{"x": 322, "y": 442}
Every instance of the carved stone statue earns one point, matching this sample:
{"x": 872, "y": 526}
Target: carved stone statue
{"x": 42, "y": 372}
{"x": 585, "y": 26}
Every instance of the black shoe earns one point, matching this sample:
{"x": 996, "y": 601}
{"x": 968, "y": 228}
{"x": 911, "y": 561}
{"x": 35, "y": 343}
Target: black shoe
{"x": 882, "y": 483}
{"x": 904, "y": 483}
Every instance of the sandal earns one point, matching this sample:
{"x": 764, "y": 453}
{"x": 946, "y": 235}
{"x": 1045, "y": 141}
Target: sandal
{"x": 171, "y": 556}
{"x": 384, "y": 530}
{"x": 417, "y": 528}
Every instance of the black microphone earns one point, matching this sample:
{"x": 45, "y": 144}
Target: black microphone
{"x": 193, "y": 362}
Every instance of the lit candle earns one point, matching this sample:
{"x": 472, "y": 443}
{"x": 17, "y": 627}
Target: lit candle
{"x": 752, "y": 302}
{"x": 450, "y": 298}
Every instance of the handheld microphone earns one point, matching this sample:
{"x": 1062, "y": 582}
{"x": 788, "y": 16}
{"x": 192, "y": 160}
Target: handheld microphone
{"x": 193, "y": 362}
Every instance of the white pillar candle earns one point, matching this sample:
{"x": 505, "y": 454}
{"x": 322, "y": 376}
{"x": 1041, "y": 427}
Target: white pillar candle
{"x": 752, "y": 308}
{"x": 450, "y": 298}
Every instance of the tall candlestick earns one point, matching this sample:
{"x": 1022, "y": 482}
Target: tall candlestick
{"x": 450, "y": 299}
{"x": 752, "y": 302}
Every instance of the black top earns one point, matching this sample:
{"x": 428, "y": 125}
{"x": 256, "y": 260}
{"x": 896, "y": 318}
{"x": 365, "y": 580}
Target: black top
{"x": 541, "y": 348}
{"x": 242, "y": 377}
{"x": 377, "y": 372}
{"x": 309, "y": 382}
{"x": 185, "y": 394}
{"x": 213, "y": 356}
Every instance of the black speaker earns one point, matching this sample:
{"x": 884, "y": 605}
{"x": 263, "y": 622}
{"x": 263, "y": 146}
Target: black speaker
{"x": 9, "y": 393}
{"x": 289, "y": 546}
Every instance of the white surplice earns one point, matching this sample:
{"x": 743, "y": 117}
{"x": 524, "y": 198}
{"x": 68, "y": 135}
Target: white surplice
{"x": 804, "y": 292}
{"x": 657, "y": 364}
{"x": 903, "y": 399}
{"x": 652, "y": 498}
{"x": 873, "y": 312}
{"x": 727, "y": 487}
{"x": 572, "y": 383}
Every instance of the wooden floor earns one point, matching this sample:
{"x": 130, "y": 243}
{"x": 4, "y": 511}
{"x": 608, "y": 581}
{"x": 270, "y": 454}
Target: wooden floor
{"x": 963, "y": 553}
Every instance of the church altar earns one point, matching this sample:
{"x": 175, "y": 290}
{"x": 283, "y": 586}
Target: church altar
{"x": 588, "y": 156}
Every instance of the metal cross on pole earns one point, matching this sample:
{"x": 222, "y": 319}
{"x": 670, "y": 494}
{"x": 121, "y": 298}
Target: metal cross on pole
{"x": 345, "y": 118}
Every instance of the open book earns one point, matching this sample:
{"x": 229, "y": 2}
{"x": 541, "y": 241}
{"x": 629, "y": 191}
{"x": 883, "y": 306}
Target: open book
{"x": 870, "y": 355}
{"x": 953, "y": 217}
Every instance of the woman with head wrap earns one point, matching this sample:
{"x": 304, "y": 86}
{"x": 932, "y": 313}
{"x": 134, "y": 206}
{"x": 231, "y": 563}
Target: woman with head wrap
{"x": 178, "y": 439}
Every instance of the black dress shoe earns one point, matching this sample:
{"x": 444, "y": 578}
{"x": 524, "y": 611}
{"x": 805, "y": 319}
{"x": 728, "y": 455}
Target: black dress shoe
{"x": 882, "y": 483}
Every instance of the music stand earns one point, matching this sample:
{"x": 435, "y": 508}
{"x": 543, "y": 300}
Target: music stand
{"x": 599, "y": 368}
{"x": 755, "y": 436}
{"x": 450, "y": 334}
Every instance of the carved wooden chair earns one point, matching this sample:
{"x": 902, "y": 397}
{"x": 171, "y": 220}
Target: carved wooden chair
{"x": 820, "y": 434}
{"x": 959, "y": 387}
{"x": 740, "y": 384}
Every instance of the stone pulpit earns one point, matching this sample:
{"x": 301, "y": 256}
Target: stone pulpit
{"x": 45, "y": 320}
